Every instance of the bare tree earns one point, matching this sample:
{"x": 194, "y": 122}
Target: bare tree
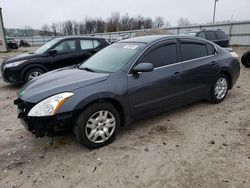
{"x": 100, "y": 26}
{"x": 54, "y": 28}
{"x": 125, "y": 22}
{"x": 159, "y": 22}
{"x": 82, "y": 29}
{"x": 183, "y": 22}
{"x": 167, "y": 24}
{"x": 113, "y": 22}
{"x": 148, "y": 23}
{"x": 69, "y": 27}
{"x": 75, "y": 28}
{"x": 45, "y": 30}
{"x": 89, "y": 25}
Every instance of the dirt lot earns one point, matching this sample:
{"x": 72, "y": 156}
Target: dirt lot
{"x": 200, "y": 145}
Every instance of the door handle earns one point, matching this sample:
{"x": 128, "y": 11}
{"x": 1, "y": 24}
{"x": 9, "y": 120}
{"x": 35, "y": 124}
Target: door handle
{"x": 213, "y": 62}
{"x": 176, "y": 74}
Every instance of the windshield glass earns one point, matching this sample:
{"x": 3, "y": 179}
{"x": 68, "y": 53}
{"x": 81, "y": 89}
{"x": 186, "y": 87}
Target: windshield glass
{"x": 112, "y": 58}
{"x": 46, "y": 46}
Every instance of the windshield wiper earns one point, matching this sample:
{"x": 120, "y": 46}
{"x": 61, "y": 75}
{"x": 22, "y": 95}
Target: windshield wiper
{"x": 87, "y": 69}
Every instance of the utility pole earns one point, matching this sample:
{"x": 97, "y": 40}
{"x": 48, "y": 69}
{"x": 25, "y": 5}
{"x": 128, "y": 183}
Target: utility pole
{"x": 215, "y": 2}
{"x": 3, "y": 47}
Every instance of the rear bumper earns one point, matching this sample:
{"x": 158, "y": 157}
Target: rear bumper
{"x": 43, "y": 126}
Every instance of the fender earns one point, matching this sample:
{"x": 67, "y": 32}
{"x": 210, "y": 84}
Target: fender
{"x": 33, "y": 65}
{"x": 119, "y": 100}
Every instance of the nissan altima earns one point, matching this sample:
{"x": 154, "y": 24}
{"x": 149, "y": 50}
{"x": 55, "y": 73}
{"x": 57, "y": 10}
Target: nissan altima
{"x": 126, "y": 81}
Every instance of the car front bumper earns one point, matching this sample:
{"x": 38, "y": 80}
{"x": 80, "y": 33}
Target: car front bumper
{"x": 11, "y": 75}
{"x": 43, "y": 126}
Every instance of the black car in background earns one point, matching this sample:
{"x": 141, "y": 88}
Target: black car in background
{"x": 245, "y": 59}
{"x": 23, "y": 43}
{"x": 57, "y": 53}
{"x": 217, "y": 36}
{"x": 126, "y": 81}
{"x": 11, "y": 43}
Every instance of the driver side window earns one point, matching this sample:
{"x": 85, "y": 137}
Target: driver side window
{"x": 65, "y": 46}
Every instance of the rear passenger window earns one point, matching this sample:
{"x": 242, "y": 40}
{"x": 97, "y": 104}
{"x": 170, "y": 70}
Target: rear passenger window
{"x": 221, "y": 35}
{"x": 86, "y": 44}
{"x": 210, "y": 35}
{"x": 163, "y": 55}
{"x": 96, "y": 43}
{"x": 192, "y": 51}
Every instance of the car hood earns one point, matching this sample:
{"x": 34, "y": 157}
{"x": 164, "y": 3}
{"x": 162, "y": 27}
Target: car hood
{"x": 58, "y": 81}
{"x": 20, "y": 57}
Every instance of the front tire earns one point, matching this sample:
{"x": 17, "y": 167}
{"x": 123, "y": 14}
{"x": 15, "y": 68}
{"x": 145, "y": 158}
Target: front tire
{"x": 32, "y": 74}
{"x": 219, "y": 89}
{"x": 97, "y": 125}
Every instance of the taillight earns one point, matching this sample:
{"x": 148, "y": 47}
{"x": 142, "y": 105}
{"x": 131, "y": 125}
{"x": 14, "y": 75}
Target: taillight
{"x": 235, "y": 55}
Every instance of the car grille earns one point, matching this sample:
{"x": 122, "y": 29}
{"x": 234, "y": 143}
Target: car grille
{"x": 23, "y": 108}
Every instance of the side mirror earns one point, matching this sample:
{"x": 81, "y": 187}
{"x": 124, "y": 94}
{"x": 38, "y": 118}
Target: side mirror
{"x": 52, "y": 52}
{"x": 143, "y": 67}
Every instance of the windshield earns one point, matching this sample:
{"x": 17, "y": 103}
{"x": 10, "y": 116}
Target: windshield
{"x": 112, "y": 58}
{"x": 46, "y": 46}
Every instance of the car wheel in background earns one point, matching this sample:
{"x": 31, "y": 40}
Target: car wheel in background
{"x": 32, "y": 74}
{"x": 219, "y": 89}
{"x": 97, "y": 125}
{"x": 245, "y": 60}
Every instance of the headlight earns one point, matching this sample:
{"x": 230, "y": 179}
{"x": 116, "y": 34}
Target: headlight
{"x": 15, "y": 64}
{"x": 49, "y": 106}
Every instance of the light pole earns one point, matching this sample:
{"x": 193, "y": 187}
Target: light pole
{"x": 215, "y": 2}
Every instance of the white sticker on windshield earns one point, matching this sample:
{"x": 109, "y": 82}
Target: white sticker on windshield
{"x": 130, "y": 46}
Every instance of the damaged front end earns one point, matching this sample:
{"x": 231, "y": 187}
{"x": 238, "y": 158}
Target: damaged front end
{"x": 43, "y": 126}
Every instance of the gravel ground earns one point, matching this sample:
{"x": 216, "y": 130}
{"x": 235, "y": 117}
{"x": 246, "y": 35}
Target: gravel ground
{"x": 200, "y": 145}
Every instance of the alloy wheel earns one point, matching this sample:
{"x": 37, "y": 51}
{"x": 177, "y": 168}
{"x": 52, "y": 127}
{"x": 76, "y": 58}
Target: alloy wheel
{"x": 34, "y": 75}
{"x": 220, "y": 89}
{"x": 100, "y": 126}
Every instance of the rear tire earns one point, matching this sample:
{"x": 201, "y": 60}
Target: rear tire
{"x": 97, "y": 125}
{"x": 32, "y": 74}
{"x": 219, "y": 89}
{"x": 245, "y": 60}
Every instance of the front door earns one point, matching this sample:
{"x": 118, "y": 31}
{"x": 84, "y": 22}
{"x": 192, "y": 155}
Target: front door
{"x": 161, "y": 88}
{"x": 66, "y": 55}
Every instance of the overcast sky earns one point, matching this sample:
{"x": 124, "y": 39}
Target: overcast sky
{"x": 35, "y": 13}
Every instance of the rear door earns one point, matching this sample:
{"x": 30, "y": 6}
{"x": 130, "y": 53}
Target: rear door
{"x": 161, "y": 88}
{"x": 88, "y": 47}
{"x": 222, "y": 39}
{"x": 210, "y": 35}
{"x": 198, "y": 61}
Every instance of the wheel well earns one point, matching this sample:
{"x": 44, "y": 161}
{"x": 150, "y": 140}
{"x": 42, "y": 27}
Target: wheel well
{"x": 30, "y": 68}
{"x": 228, "y": 75}
{"x": 114, "y": 102}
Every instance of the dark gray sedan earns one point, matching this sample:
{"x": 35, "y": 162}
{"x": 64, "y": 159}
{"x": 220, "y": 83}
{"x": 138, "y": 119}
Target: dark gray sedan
{"x": 126, "y": 81}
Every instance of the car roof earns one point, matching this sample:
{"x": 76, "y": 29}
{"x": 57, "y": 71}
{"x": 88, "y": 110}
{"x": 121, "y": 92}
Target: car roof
{"x": 154, "y": 38}
{"x": 80, "y": 37}
{"x": 146, "y": 39}
{"x": 197, "y": 31}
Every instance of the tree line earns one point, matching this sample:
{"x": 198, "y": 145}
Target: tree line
{"x": 115, "y": 22}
